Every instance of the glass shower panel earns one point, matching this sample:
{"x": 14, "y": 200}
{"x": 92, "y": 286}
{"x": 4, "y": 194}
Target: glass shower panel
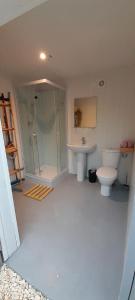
{"x": 35, "y": 144}
{"x": 43, "y": 129}
{"x": 46, "y": 132}
{"x": 61, "y": 128}
{"x": 27, "y": 114}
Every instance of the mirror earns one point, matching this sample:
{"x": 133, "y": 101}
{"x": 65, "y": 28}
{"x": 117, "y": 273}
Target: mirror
{"x": 85, "y": 112}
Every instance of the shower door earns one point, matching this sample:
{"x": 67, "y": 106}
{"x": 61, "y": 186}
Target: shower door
{"x": 35, "y": 138}
{"x": 61, "y": 129}
{"x": 46, "y": 133}
{"x": 27, "y": 115}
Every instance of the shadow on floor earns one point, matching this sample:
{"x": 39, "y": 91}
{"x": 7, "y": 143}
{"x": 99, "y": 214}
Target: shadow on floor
{"x": 120, "y": 193}
{"x": 1, "y": 260}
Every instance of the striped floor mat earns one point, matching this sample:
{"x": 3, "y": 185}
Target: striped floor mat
{"x": 38, "y": 192}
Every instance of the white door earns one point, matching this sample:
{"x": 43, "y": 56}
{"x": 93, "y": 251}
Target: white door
{"x": 9, "y": 236}
{"x": 129, "y": 260}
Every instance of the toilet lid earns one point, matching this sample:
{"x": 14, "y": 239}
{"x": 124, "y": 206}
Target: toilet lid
{"x": 107, "y": 172}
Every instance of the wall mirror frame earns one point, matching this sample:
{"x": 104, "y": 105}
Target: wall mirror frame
{"x": 85, "y": 112}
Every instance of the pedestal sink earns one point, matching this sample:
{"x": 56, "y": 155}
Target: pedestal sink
{"x": 81, "y": 151}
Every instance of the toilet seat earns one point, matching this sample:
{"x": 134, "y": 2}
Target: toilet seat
{"x": 107, "y": 173}
{"x": 106, "y": 176}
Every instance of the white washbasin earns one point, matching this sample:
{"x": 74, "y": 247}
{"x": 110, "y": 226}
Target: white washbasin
{"x": 81, "y": 148}
{"x": 81, "y": 152}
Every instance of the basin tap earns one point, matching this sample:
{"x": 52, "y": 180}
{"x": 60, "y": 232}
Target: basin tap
{"x": 83, "y": 140}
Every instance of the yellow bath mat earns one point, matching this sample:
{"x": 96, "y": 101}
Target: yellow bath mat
{"x": 38, "y": 192}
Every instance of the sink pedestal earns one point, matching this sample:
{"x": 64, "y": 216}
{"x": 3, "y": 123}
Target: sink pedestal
{"x": 81, "y": 151}
{"x": 81, "y": 166}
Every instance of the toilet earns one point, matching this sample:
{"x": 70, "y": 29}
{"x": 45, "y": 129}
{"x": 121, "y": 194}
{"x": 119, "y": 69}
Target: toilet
{"x": 107, "y": 174}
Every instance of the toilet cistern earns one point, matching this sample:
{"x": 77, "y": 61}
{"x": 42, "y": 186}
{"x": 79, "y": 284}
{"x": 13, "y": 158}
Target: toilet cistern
{"x": 83, "y": 139}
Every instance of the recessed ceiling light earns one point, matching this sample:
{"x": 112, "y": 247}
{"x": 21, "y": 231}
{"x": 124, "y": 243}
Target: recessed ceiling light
{"x": 43, "y": 56}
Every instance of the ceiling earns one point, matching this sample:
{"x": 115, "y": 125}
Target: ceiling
{"x": 84, "y": 37}
{"x": 10, "y": 9}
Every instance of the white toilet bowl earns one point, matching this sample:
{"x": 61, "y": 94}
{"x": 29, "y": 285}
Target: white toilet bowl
{"x": 106, "y": 176}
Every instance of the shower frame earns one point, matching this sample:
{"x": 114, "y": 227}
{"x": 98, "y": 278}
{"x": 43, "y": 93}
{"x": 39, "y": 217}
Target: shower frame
{"x": 35, "y": 177}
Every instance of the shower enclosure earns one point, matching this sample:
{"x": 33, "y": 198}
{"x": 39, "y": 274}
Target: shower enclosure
{"x": 41, "y": 108}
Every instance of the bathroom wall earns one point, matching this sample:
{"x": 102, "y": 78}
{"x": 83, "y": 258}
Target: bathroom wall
{"x": 115, "y": 115}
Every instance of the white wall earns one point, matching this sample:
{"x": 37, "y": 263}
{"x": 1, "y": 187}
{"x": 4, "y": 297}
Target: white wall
{"x": 129, "y": 263}
{"x": 115, "y": 115}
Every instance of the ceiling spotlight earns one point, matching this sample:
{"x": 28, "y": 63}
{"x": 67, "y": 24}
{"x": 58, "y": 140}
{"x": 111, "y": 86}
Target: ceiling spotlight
{"x": 43, "y": 56}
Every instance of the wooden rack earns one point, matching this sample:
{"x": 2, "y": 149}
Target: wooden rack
{"x": 8, "y": 128}
{"x": 127, "y": 150}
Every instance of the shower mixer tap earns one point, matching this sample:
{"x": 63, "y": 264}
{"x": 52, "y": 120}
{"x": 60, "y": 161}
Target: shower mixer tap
{"x": 35, "y": 137}
{"x": 34, "y": 134}
{"x": 83, "y": 140}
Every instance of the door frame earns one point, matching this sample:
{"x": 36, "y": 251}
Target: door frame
{"x": 9, "y": 236}
{"x": 129, "y": 256}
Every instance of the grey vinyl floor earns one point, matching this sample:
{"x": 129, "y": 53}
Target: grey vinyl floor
{"x": 72, "y": 243}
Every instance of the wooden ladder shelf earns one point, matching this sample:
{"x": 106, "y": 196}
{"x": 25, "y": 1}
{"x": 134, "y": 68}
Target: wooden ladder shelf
{"x": 9, "y": 132}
